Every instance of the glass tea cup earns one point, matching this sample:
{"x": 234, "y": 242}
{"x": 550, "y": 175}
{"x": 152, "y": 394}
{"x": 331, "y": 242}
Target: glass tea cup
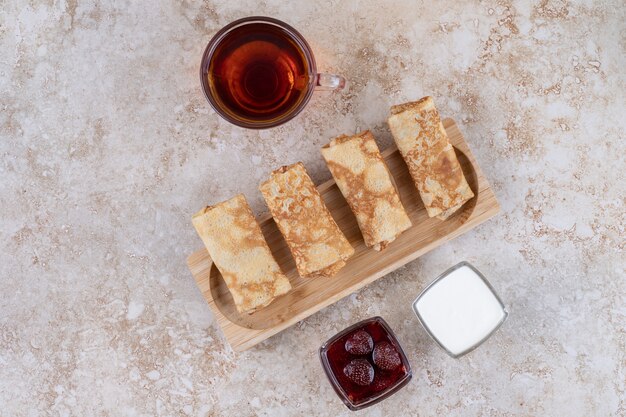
{"x": 258, "y": 72}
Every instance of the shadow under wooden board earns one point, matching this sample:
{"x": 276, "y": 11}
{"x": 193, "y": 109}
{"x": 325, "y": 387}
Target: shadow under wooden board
{"x": 311, "y": 295}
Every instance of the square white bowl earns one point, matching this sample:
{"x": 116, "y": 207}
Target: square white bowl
{"x": 477, "y": 342}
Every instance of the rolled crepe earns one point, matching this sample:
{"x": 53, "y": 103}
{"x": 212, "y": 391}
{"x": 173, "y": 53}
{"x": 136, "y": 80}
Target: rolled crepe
{"x": 236, "y": 245}
{"x": 364, "y": 180}
{"x": 424, "y": 145}
{"x": 314, "y": 239}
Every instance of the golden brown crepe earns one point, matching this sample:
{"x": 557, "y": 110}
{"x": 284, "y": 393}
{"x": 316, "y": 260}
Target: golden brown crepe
{"x": 364, "y": 180}
{"x": 316, "y": 242}
{"x": 236, "y": 245}
{"x": 424, "y": 145}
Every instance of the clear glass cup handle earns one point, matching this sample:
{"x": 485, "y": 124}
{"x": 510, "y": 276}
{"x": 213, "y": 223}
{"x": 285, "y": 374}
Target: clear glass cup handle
{"x": 329, "y": 82}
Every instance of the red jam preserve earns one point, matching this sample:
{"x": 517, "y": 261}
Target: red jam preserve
{"x": 365, "y": 363}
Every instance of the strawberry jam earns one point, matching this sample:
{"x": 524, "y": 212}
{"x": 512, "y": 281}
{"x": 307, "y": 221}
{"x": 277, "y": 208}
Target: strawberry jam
{"x": 350, "y": 358}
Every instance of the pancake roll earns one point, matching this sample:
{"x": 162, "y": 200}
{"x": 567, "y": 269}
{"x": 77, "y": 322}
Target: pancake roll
{"x": 238, "y": 249}
{"x": 366, "y": 183}
{"x": 432, "y": 162}
{"x": 318, "y": 246}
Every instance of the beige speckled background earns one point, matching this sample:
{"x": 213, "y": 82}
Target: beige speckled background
{"x": 108, "y": 146}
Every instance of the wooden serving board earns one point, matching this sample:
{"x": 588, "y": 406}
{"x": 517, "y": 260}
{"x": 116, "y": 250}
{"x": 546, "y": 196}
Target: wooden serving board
{"x": 311, "y": 295}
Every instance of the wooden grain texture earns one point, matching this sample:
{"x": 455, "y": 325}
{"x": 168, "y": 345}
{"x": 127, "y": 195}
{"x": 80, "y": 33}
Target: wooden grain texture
{"x": 311, "y": 295}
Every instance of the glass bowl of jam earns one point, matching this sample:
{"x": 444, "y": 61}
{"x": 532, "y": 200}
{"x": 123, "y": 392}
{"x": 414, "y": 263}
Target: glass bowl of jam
{"x": 365, "y": 363}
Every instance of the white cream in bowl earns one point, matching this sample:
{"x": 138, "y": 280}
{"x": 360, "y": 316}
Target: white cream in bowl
{"x": 459, "y": 309}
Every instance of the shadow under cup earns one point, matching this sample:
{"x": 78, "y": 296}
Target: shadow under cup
{"x": 259, "y": 72}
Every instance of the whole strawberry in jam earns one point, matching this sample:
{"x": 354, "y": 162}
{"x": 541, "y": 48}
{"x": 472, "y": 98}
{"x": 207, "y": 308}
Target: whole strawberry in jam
{"x": 359, "y": 343}
{"x": 359, "y": 371}
{"x": 386, "y": 356}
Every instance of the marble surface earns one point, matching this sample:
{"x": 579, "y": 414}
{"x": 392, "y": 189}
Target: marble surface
{"x": 108, "y": 146}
